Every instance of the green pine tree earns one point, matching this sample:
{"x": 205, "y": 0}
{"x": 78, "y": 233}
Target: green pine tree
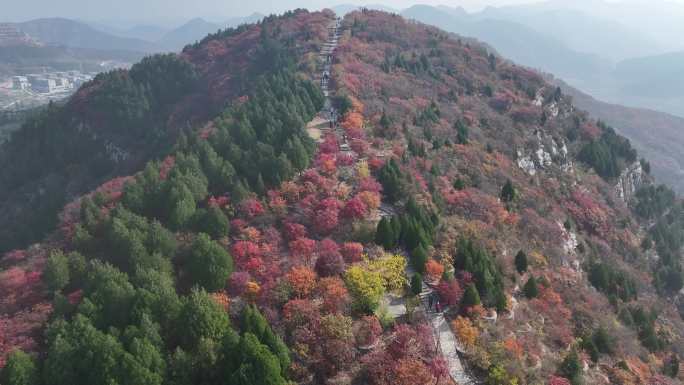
{"x": 530, "y": 289}
{"x": 471, "y": 297}
{"x": 571, "y": 368}
{"x": 384, "y": 234}
{"x": 416, "y": 284}
{"x": 461, "y": 132}
{"x": 521, "y": 262}
{"x": 459, "y": 184}
{"x": 56, "y": 271}
{"x": 419, "y": 258}
{"x": 508, "y": 192}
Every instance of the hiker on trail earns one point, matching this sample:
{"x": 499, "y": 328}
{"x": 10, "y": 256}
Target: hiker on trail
{"x": 430, "y": 301}
{"x": 438, "y": 307}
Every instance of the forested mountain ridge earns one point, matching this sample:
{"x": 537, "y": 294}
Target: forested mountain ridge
{"x": 247, "y": 254}
{"x": 115, "y": 123}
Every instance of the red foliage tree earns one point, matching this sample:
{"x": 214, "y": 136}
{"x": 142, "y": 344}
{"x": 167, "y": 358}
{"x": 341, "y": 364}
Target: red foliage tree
{"x": 359, "y": 146}
{"x": 244, "y": 250}
{"x": 345, "y": 160}
{"x": 590, "y": 214}
{"x": 329, "y": 144}
{"x": 352, "y": 251}
{"x": 326, "y": 218}
{"x": 434, "y": 269}
{"x": 218, "y": 202}
{"x": 330, "y": 264}
{"x": 439, "y": 367}
{"x": 334, "y": 293}
{"x": 411, "y": 341}
{"x": 411, "y": 371}
{"x": 378, "y": 366}
{"x": 251, "y": 208}
{"x": 302, "y": 280}
{"x": 355, "y": 208}
{"x": 300, "y": 313}
{"x": 370, "y": 184}
{"x": 326, "y": 163}
{"x": 371, "y": 199}
{"x": 303, "y": 248}
{"x": 367, "y": 330}
{"x": 294, "y": 230}
{"x": 450, "y": 292}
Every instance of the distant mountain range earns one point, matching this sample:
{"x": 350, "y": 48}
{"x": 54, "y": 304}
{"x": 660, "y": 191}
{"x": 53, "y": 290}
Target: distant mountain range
{"x": 198, "y": 28}
{"x": 143, "y": 38}
{"x": 74, "y": 34}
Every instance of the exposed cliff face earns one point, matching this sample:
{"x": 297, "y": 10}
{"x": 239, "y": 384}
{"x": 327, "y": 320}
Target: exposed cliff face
{"x": 629, "y": 182}
{"x": 542, "y": 153}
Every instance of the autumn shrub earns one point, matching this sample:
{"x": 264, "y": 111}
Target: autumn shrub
{"x": 466, "y": 332}
{"x": 302, "y": 279}
{"x": 434, "y": 270}
{"x": 366, "y": 287}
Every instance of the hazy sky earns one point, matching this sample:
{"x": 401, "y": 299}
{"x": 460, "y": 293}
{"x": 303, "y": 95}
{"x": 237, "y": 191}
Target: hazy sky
{"x": 19, "y": 10}
{"x": 175, "y": 10}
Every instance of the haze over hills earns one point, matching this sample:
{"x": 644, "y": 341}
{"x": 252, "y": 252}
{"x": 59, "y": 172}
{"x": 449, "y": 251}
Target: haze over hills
{"x": 70, "y": 33}
{"x": 657, "y": 135}
{"x": 198, "y": 28}
{"x": 147, "y": 32}
{"x": 143, "y": 38}
{"x": 515, "y": 41}
{"x": 589, "y": 50}
{"x": 580, "y": 31}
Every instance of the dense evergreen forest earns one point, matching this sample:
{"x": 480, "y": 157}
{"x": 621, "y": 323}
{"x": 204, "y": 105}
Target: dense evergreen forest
{"x": 64, "y": 148}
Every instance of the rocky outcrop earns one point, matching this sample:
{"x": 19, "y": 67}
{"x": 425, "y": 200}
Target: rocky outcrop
{"x": 629, "y": 181}
{"x": 544, "y": 152}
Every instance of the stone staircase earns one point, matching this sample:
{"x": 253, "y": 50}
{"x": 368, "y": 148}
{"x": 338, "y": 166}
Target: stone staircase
{"x": 447, "y": 342}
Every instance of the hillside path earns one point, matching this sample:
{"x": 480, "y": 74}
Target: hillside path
{"x": 326, "y": 121}
{"x": 447, "y": 343}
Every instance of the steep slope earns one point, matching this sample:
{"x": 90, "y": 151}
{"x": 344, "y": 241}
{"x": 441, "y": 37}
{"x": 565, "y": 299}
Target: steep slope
{"x": 114, "y": 124}
{"x": 251, "y": 255}
{"x": 75, "y": 34}
{"x": 658, "y": 136}
{"x": 502, "y": 156}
